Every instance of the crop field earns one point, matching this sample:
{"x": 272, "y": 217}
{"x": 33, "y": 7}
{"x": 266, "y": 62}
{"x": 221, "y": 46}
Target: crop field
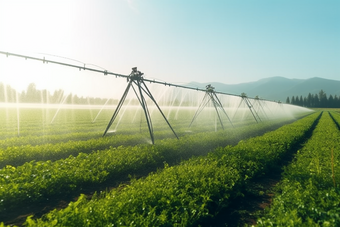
{"x": 57, "y": 168}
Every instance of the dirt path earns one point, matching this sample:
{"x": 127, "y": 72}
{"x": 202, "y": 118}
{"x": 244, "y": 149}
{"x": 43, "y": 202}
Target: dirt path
{"x": 245, "y": 210}
{"x": 257, "y": 194}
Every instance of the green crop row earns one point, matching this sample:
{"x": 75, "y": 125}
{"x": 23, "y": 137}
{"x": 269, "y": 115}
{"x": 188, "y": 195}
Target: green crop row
{"x": 81, "y": 137}
{"x": 38, "y": 122}
{"x": 43, "y": 139}
{"x": 17, "y": 155}
{"x": 74, "y": 133}
{"x": 309, "y": 193}
{"x": 40, "y": 140}
{"x": 188, "y": 194}
{"x": 336, "y": 117}
{"x": 36, "y": 181}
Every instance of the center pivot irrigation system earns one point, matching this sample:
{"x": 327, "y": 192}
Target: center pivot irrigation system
{"x": 136, "y": 82}
{"x": 210, "y": 95}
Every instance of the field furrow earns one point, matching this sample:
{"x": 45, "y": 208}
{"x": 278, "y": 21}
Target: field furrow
{"x": 187, "y": 194}
{"x": 308, "y": 194}
{"x": 38, "y": 181}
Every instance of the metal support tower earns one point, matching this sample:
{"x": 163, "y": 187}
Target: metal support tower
{"x": 210, "y": 95}
{"x": 250, "y": 106}
{"x": 136, "y": 78}
{"x": 259, "y": 106}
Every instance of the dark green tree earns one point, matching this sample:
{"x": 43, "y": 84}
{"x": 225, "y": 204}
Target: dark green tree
{"x": 322, "y": 99}
{"x": 293, "y": 100}
{"x": 331, "y": 103}
{"x": 305, "y": 103}
{"x": 316, "y": 101}
{"x": 336, "y": 101}
{"x": 301, "y": 101}
{"x": 309, "y": 100}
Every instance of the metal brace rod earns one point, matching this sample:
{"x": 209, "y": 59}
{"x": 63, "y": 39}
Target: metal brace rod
{"x": 136, "y": 79}
{"x": 210, "y": 95}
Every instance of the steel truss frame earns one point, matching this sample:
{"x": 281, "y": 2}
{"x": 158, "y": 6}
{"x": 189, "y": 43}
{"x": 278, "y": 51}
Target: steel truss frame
{"x": 211, "y": 96}
{"x": 136, "y": 78}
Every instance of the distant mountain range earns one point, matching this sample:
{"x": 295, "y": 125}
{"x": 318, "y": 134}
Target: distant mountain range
{"x": 277, "y": 88}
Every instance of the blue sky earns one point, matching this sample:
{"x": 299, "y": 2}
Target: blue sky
{"x": 175, "y": 41}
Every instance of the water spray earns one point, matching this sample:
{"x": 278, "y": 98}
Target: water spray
{"x": 258, "y": 106}
{"x": 136, "y": 78}
{"x": 211, "y": 96}
{"x": 246, "y": 100}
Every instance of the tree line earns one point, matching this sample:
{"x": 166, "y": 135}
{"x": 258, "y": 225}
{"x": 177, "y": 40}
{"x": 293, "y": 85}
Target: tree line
{"x": 315, "y": 100}
{"x": 34, "y": 95}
